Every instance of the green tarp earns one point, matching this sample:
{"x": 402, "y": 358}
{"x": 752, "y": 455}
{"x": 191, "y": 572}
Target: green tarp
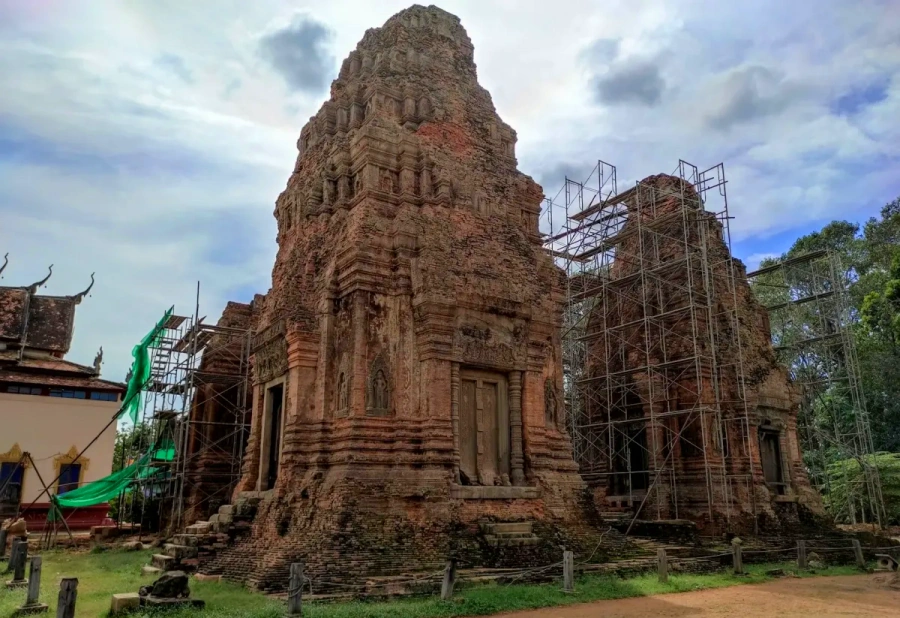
{"x": 103, "y": 490}
{"x": 164, "y": 452}
{"x": 140, "y": 369}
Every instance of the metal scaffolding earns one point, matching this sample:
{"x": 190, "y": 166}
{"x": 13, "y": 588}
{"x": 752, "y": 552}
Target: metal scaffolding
{"x": 810, "y": 317}
{"x": 197, "y": 400}
{"x": 653, "y": 366}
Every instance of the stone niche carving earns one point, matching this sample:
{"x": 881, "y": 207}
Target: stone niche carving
{"x": 378, "y": 389}
{"x": 551, "y": 404}
{"x": 270, "y": 361}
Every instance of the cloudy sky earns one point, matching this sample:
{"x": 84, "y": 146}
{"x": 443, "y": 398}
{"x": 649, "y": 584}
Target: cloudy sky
{"x": 147, "y": 140}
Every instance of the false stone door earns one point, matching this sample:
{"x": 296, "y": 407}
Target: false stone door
{"x": 484, "y": 429}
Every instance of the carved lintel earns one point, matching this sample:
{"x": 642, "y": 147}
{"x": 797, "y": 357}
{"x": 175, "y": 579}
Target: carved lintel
{"x": 270, "y": 361}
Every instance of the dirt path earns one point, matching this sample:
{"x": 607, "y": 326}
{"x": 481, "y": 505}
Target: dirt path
{"x": 858, "y": 595}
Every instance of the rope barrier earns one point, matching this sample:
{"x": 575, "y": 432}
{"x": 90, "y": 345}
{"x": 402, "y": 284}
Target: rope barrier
{"x": 769, "y": 551}
{"x": 513, "y": 575}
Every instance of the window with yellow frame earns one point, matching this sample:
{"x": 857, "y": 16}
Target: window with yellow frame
{"x": 12, "y": 479}
{"x": 69, "y": 472}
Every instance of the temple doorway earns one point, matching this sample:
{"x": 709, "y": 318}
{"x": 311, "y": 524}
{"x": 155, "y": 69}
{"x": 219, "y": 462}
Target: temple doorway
{"x": 484, "y": 430}
{"x": 770, "y": 453}
{"x": 272, "y": 428}
{"x": 630, "y": 461}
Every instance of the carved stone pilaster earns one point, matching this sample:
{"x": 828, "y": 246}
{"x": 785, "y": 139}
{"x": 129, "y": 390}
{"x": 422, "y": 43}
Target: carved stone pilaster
{"x": 454, "y": 417}
{"x": 517, "y": 460}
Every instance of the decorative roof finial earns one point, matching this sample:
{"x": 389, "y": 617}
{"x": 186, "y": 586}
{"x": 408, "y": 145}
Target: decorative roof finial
{"x": 98, "y": 360}
{"x": 5, "y": 262}
{"x": 33, "y": 288}
{"x": 81, "y": 295}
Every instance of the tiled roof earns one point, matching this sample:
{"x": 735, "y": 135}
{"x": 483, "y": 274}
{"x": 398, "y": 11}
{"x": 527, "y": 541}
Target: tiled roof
{"x": 87, "y": 382}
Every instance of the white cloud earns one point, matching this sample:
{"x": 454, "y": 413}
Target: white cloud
{"x": 148, "y": 140}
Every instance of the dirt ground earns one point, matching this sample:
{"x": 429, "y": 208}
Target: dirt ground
{"x": 858, "y": 595}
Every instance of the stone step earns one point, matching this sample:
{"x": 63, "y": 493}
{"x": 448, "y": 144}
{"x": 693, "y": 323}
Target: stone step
{"x": 523, "y": 527}
{"x": 163, "y": 562}
{"x": 179, "y": 552}
{"x": 201, "y": 527}
{"x": 226, "y": 509}
{"x": 191, "y": 540}
{"x": 511, "y": 542}
{"x": 513, "y": 535}
{"x": 151, "y": 570}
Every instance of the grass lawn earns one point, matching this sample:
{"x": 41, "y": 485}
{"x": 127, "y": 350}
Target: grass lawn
{"x": 102, "y": 574}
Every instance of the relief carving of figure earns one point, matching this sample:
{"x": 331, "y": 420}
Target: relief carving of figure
{"x": 386, "y": 182}
{"x": 551, "y": 405}
{"x": 395, "y": 182}
{"x": 379, "y": 390}
{"x": 343, "y": 393}
{"x": 327, "y": 191}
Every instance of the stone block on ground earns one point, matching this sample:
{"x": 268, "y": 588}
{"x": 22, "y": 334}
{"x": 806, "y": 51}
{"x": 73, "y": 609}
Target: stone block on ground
{"x": 162, "y": 561}
{"x": 30, "y": 610}
{"x": 124, "y": 601}
{"x": 201, "y": 527}
{"x": 203, "y": 577}
{"x": 150, "y": 570}
{"x": 171, "y": 585}
{"x": 163, "y": 603}
{"x": 180, "y": 552}
{"x": 132, "y": 546}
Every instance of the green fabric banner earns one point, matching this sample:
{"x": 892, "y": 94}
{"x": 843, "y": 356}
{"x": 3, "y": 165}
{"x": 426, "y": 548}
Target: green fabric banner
{"x": 140, "y": 369}
{"x": 103, "y": 490}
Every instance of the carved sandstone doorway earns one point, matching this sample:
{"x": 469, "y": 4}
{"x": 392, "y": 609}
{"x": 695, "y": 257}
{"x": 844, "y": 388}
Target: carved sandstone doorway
{"x": 770, "y": 453}
{"x": 273, "y": 424}
{"x": 484, "y": 428}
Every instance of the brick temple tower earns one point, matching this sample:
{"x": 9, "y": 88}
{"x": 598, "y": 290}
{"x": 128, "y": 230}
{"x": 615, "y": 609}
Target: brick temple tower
{"x": 687, "y": 413}
{"x": 407, "y": 378}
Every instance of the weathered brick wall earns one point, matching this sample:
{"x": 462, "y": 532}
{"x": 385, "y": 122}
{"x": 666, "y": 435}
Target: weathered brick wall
{"x": 348, "y": 524}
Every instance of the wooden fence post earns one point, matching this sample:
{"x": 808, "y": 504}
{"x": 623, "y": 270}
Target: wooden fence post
{"x": 801, "y": 555}
{"x": 858, "y": 552}
{"x": 17, "y": 562}
{"x": 13, "y": 555}
{"x": 33, "y": 603}
{"x": 662, "y": 564}
{"x": 737, "y": 558}
{"x": 34, "y": 581}
{"x": 568, "y": 571}
{"x": 295, "y": 591}
{"x": 68, "y": 592}
{"x": 449, "y": 580}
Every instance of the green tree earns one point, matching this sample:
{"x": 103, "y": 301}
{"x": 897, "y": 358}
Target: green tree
{"x": 869, "y": 260}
